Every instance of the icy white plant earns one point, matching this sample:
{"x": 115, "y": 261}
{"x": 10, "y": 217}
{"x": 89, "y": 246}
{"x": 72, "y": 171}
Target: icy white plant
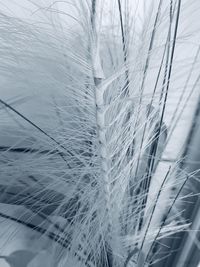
{"x": 84, "y": 167}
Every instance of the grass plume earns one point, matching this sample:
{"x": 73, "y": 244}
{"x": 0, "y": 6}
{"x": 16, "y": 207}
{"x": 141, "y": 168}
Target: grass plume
{"x": 91, "y": 126}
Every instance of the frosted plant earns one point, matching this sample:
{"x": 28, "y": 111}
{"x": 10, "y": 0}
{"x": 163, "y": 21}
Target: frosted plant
{"x": 90, "y": 132}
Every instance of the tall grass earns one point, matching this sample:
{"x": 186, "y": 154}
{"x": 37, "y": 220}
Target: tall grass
{"x": 85, "y": 165}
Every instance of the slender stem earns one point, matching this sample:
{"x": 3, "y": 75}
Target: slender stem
{"x": 152, "y": 212}
{"x": 150, "y": 49}
{"x": 132, "y": 253}
{"x": 150, "y": 106}
{"x": 168, "y": 83}
{"x": 32, "y": 123}
{"x": 166, "y": 217}
{"x": 168, "y": 77}
{"x": 147, "y": 64}
{"x": 125, "y": 89}
{"x": 37, "y": 127}
{"x": 153, "y": 151}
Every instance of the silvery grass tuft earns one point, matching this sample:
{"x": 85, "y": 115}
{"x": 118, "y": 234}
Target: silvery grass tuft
{"x": 89, "y": 85}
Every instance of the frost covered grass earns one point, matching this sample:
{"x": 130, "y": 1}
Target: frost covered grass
{"x": 90, "y": 100}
